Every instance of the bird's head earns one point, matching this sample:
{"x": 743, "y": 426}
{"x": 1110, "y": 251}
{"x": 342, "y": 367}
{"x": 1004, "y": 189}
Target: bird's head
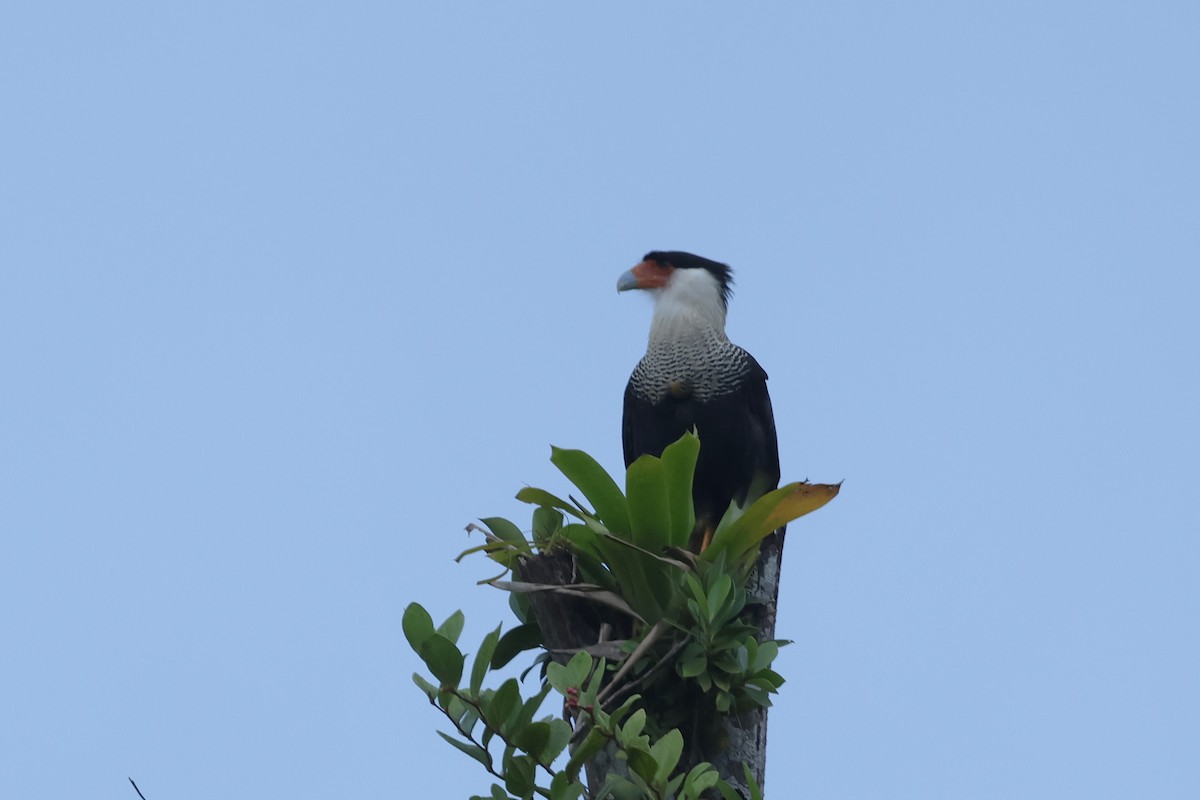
{"x": 687, "y": 278}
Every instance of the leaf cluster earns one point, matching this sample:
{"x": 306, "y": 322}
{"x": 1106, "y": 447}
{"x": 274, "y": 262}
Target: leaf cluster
{"x": 722, "y": 653}
{"x": 490, "y": 720}
{"x": 688, "y": 644}
{"x": 688, "y": 610}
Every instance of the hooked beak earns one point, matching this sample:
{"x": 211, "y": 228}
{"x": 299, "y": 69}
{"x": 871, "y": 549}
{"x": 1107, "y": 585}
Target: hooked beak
{"x": 646, "y": 275}
{"x": 627, "y": 281}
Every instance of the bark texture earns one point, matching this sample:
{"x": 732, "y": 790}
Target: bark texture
{"x": 567, "y": 623}
{"x": 747, "y": 732}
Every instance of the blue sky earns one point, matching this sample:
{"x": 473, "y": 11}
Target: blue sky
{"x": 291, "y": 294}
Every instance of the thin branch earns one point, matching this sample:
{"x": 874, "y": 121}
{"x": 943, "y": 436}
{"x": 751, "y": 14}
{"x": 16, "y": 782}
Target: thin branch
{"x": 579, "y": 506}
{"x": 139, "y": 791}
{"x": 651, "y": 638}
{"x": 611, "y": 702}
{"x": 466, "y": 734}
{"x": 625, "y": 542}
{"x": 587, "y": 591}
{"x": 488, "y": 535}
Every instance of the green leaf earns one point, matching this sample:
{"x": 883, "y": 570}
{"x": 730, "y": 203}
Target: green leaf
{"x": 717, "y": 594}
{"x": 755, "y": 789}
{"x": 592, "y": 744}
{"x": 546, "y": 523}
{"x": 517, "y": 640}
{"x": 756, "y": 695}
{"x": 741, "y": 657}
{"x": 417, "y": 625}
{"x": 483, "y": 659}
{"x": 633, "y": 728}
{"x": 679, "y": 461}
{"x": 519, "y": 605}
{"x": 533, "y": 738}
{"x": 583, "y": 538}
{"x": 693, "y": 649}
{"x": 540, "y": 497}
{"x": 701, "y": 778}
{"x": 560, "y": 737}
{"x": 727, "y": 791}
{"x": 767, "y": 651}
{"x": 425, "y": 686}
{"x": 562, "y": 788}
{"x": 693, "y": 667}
{"x": 506, "y": 531}
{"x": 504, "y": 706}
{"x": 697, "y": 591}
{"x": 473, "y": 750}
{"x": 579, "y": 667}
{"x": 646, "y": 579}
{"x": 570, "y": 675}
{"x": 643, "y": 764}
{"x": 455, "y": 707}
{"x": 597, "y": 486}
{"x": 622, "y": 710}
{"x": 666, "y": 752}
{"x": 531, "y": 706}
{"x": 769, "y": 680}
{"x": 629, "y": 570}
{"x": 649, "y": 506}
{"x": 616, "y": 787}
{"x": 767, "y": 514}
{"x": 452, "y": 627}
{"x": 444, "y": 660}
{"x": 559, "y": 677}
{"x": 743, "y": 536}
{"x": 518, "y": 776}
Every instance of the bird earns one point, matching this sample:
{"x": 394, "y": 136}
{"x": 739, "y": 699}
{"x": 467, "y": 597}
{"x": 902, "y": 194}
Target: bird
{"x": 693, "y": 378}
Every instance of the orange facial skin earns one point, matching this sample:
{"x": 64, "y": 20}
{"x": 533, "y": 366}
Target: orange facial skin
{"x": 646, "y": 275}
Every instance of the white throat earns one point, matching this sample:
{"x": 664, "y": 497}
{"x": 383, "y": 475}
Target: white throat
{"x": 688, "y": 307}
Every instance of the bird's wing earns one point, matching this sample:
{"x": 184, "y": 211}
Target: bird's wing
{"x": 762, "y": 425}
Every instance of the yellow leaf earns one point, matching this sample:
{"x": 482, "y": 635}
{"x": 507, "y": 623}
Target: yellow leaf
{"x": 801, "y": 499}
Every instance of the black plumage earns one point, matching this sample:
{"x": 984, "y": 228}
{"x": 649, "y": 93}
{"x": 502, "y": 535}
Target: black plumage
{"x": 692, "y": 376}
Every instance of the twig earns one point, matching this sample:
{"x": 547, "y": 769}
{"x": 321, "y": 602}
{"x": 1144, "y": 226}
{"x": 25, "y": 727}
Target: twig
{"x": 139, "y": 791}
{"x": 664, "y": 661}
{"x": 471, "y": 738}
{"x": 650, "y": 639}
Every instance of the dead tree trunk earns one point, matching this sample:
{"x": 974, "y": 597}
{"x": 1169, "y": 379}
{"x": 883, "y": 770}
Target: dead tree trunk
{"x": 570, "y": 623}
{"x": 747, "y": 732}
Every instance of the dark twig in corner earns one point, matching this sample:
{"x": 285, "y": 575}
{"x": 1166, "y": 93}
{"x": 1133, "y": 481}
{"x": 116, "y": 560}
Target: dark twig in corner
{"x": 139, "y": 791}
